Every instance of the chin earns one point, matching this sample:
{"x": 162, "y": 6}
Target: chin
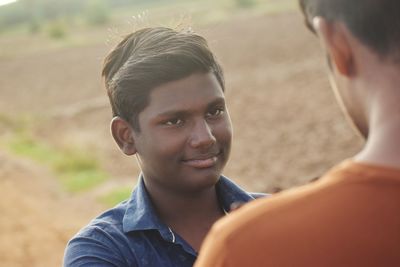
{"x": 208, "y": 179}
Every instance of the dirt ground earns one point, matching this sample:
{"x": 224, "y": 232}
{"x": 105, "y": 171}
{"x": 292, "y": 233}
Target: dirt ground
{"x": 288, "y": 128}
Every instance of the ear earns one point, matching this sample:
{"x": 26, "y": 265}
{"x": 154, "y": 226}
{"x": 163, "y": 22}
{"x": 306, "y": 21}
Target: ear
{"x": 334, "y": 38}
{"x": 123, "y": 135}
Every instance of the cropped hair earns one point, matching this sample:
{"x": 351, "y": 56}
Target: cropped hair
{"x": 376, "y": 23}
{"x": 148, "y": 58}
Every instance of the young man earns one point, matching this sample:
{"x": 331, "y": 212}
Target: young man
{"x": 351, "y": 216}
{"x": 166, "y": 91}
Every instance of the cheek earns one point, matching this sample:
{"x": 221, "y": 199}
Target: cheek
{"x": 223, "y": 132}
{"x": 228, "y": 124}
{"x": 170, "y": 145}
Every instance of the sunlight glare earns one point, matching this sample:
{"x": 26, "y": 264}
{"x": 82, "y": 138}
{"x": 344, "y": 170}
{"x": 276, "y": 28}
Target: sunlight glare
{"x": 5, "y": 2}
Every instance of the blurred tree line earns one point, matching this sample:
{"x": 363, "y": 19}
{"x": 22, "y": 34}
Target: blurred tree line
{"x": 55, "y": 17}
{"x": 37, "y": 14}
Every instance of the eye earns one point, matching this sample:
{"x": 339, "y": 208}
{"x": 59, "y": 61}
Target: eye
{"x": 215, "y": 112}
{"x": 174, "y": 122}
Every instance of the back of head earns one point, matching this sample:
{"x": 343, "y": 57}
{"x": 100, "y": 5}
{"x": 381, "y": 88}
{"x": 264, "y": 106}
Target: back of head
{"x": 376, "y": 23}
{"x": 148, "y": 58}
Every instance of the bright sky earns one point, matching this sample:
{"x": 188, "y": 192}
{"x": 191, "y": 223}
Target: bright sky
{"x": 5, "y": 2}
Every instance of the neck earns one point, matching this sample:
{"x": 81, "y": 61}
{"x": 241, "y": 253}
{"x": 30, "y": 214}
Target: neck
{"x": 383, "y": 142}
{"x": 172, "y": 206}
{"x": 189, "y": 215}
{"x": 383, "y": 145}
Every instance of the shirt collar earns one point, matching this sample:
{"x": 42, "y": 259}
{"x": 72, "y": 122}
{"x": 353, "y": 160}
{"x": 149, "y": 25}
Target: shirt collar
{"x": 140, "y": 213}
{"x": 228, "y": 192}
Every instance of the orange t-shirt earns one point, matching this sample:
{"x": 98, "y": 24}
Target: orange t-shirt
{"x": 350, "y": 217}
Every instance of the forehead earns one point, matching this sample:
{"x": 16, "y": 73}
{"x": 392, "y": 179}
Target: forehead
{"x": 193, "y": 92}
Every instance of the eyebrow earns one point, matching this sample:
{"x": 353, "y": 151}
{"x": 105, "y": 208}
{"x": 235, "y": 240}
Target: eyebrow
{"x": 177, "y": 112}
{"x": 217, "y": 101}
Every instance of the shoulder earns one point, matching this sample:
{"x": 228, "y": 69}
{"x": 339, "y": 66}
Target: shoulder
{"x": 305, "y": 222}
{"x": 230, "y": 192}
{"x": 94, "y": 245}
{"x": 101, "y": 241}
{"x": 255, "y": 231}
{"x": 291, "y": 215}
{"x": 269, "y": 209}
{"x": 284, "y": 210}
{"x": 277, "y": 210}
{"x": 109, "y": 222}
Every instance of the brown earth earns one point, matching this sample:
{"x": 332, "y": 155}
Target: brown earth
{"x": 288, "y": 128}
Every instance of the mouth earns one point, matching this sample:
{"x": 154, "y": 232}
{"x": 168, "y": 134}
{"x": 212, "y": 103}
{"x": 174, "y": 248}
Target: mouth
{"x": 202, "y": 161}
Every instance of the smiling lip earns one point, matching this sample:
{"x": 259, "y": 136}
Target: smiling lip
{"x": 202, "y": 161}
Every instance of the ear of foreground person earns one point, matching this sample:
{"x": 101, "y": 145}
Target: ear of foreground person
{"x": 350, "y": 216}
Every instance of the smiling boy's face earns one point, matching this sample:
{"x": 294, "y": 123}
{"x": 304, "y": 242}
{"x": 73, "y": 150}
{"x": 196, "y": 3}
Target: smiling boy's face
{"x": 185, "y": 137}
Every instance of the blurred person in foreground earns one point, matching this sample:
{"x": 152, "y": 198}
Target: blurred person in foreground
{"x": 166, "y": 91}
{"x": 351, "y": 216}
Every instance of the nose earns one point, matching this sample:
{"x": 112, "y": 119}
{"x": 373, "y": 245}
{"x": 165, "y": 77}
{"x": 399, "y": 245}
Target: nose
{"x": 202, "y": 135}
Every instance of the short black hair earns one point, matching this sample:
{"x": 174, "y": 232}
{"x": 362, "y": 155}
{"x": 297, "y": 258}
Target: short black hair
{"x": 376, "y": 23}
{"x": 148, "y": 58}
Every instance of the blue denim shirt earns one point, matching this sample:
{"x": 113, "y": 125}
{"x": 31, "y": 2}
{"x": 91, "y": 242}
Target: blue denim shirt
{"x": 131, "y": 234}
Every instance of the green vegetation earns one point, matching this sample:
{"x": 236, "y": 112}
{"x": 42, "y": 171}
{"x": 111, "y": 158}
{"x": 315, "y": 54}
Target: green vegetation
{"x": 280, "y": 6}
{"x": 57, "y": 30}
{"x": 78, "y": 170}
{"x": 115, "y": 196}
{"x": 39, "y": 14}
{"x": 96, "y": 12}
{"x": 245, "y": 3}
{"x": 7, "y": 122}
{"x": 49, "y": 25}
{"x": 79, "y": 181}
{"x": 23, "y": 145}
